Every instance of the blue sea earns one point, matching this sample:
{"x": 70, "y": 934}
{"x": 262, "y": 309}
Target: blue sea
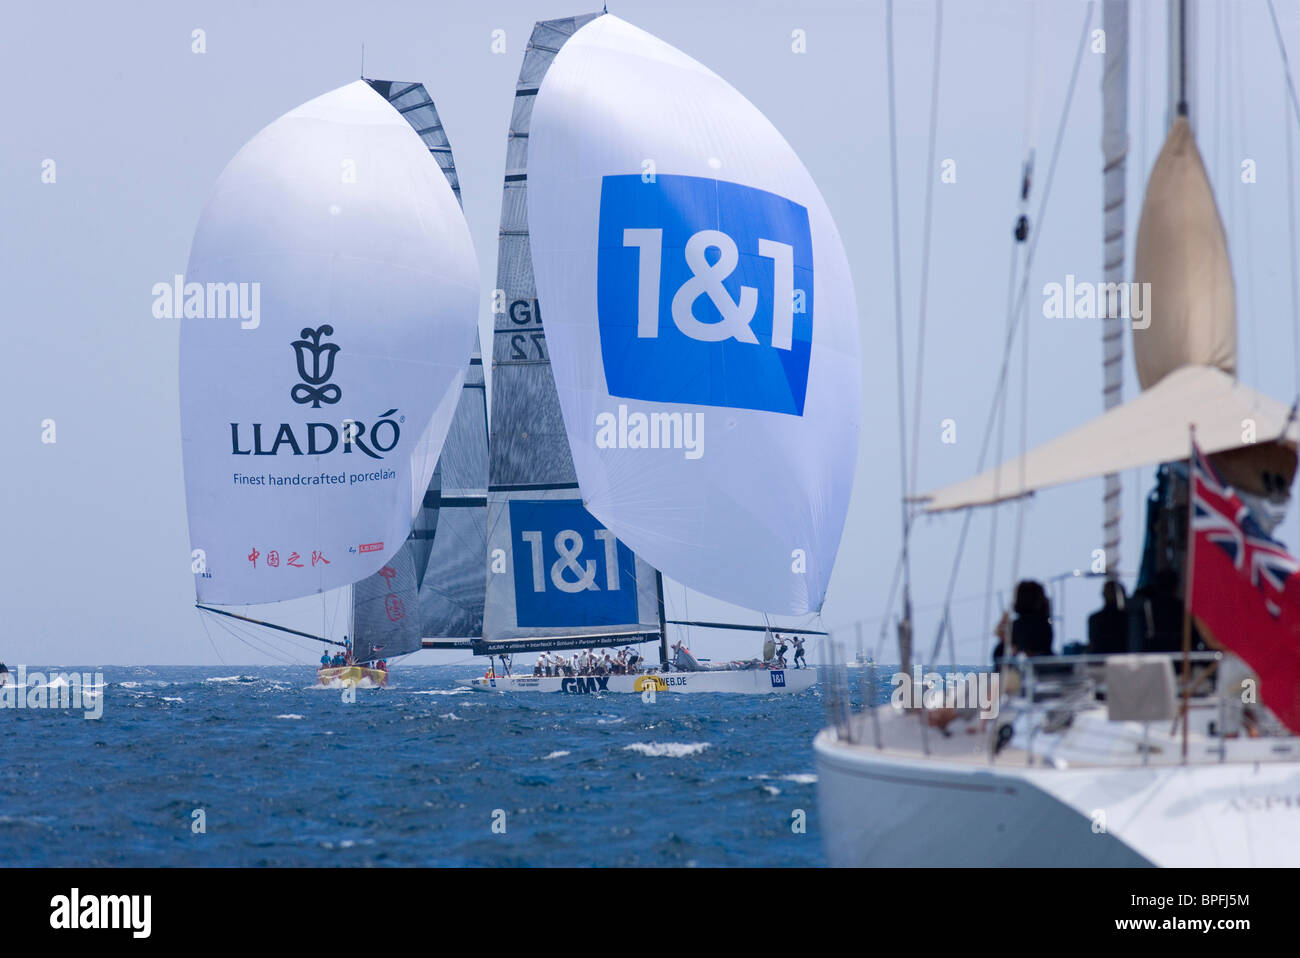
{"x": 279, "y": 772}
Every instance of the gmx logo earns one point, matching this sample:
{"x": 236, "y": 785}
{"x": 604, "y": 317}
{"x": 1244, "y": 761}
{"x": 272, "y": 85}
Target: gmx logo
{"x": 778, "y": 679}
{"x": 704, "y": 293}
{"x": 569, "y": 570}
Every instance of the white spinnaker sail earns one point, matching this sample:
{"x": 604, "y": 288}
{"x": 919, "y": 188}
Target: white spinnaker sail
{"x": 310, "y": 436}
{"x": 697, "y": 296}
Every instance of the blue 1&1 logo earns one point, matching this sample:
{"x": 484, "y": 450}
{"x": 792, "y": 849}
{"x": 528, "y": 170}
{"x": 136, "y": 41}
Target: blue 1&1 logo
{"x": 704, "y": 293}
{"x": 569, "y": 570}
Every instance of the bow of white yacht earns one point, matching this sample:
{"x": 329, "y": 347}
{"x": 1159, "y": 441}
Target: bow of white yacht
{"x": 1088, "y": 773}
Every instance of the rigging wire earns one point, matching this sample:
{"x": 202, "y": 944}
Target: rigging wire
{"x": 904, "y": 643}
{"x": 1286, "y": 63}
{"x": 1295, "y": 251}
{"x": 1029, "y": 256}
{"x": 1023, "y": 501}
{"x": 203, "y": 620}
{"x": 925, "y": 247}
{"x": 1000, "y": 407}
{"x": 889, "y": 604}
{"x": 235, "y": 631}
{"x": 1244, "y": 205}
{"x": 1144, "y": 81}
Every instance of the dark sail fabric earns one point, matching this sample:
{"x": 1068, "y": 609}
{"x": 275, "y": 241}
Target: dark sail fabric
{"x": 384, "y": 610}
{"x": 416, "y": 106}
{"x": 553, "y": 569}
{"x": 452, "y": 587}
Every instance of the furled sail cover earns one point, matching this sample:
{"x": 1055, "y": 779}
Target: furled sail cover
{"x": 311, "y": 429}
{"x": 1183, "y": 253}
{"x": 556, "y": 575}
{"x": 701, "y": 320}
{"x": 1149, "y": 429}
{"x": 434, "y": 587}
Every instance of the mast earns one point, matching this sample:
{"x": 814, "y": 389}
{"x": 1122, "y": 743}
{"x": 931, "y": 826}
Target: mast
{"x": 536, "y": 514}
{"x": 663, "y": 624}
{"x": 905, "y": 620}
{"x": 1114, "y": 146}
{"x": 1182, "y": 61}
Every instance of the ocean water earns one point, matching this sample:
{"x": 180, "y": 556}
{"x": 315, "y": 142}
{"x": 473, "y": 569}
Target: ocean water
{"x": 288, "y": 774}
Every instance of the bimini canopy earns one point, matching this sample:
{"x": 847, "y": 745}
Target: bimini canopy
{"x": 1149, "y": 429}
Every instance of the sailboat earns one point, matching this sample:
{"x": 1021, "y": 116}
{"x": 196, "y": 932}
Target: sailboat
{"x": 312, "y": 429}
{"x": 397, "y": 608}
{"x": 1109, "y": 759}
{"x": 675, "y": 368}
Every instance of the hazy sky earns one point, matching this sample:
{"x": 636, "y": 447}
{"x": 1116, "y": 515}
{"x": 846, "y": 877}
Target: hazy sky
{"x": 95, "y": 560}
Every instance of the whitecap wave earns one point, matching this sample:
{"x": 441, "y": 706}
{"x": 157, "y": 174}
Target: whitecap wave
{"x": 442, "y": 692}
{"x": 560, "y": 754}
{"x": 667, "y": 749}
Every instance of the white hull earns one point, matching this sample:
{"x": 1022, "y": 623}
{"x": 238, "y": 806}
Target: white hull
{"x": 888, "y": 808}
{"x": 743, "y": 682}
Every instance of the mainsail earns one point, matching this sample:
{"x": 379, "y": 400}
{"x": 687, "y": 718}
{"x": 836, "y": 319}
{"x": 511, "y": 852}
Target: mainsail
{"x": 556, "y": 576}
{"x": 311, "y": 431}
{"x": 401, "y": 604}
{"x": 701, "y": 320}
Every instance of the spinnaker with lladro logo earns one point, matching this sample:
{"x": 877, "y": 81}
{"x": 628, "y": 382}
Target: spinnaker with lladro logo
{"x": 675, "y": 384}
{"x": 312, "y": 435}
